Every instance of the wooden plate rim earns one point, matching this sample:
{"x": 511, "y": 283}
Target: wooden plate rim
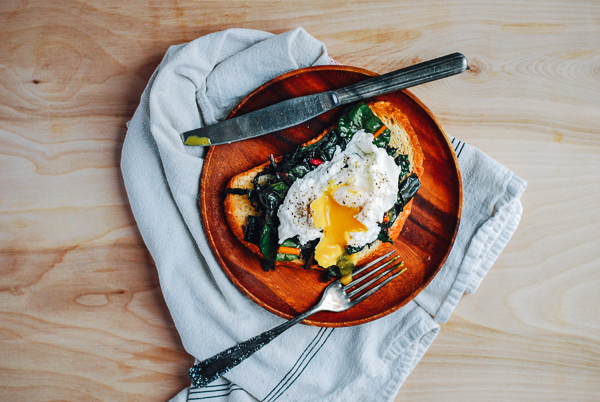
{"x": 202, "y": 201}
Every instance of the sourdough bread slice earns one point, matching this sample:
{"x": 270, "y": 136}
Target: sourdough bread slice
{"x": 403, "y": 137}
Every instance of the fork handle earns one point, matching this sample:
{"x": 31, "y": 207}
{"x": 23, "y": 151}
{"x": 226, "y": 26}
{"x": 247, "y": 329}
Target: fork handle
{"x": 214, "y": 367}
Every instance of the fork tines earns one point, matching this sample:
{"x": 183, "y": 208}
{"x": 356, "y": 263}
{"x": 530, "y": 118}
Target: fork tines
{"x": 378, "y": 276}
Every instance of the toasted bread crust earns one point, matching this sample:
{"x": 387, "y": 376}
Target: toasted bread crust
{"x": 238, "y": 207}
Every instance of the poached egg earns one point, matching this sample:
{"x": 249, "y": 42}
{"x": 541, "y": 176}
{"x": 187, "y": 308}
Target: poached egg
{"x": 342, "y": 201}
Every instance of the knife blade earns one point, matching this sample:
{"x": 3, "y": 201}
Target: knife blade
{"x": 296, "y": 111}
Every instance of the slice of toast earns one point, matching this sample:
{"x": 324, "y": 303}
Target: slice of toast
{"x": 403, "y": 137}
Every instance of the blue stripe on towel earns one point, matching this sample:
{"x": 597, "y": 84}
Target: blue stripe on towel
{"x": 296, "y": 371}
{"x": 211, "y": 391}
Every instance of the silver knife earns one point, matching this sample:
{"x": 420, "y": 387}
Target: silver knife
{"x": 295, "y": 111}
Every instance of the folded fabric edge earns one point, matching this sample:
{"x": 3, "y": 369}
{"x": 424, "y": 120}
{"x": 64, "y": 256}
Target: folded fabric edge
{"x": 513, "y": 214}
{"x": 486, "y": 246}
{"x": 405, "y": 354}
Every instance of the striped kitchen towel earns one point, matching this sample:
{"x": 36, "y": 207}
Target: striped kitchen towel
{"x": 197, "y": 84}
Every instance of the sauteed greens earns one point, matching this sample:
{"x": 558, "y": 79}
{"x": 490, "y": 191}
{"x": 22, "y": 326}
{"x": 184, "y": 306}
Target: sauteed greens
{"x": 272, "y": 184}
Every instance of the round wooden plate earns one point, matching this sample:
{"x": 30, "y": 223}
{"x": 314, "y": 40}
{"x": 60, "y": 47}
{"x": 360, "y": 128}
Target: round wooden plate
{"x": 426, "y": 238}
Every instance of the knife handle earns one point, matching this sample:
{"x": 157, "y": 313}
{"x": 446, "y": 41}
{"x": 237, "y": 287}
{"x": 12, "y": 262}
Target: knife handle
{"x": 421, "y": 73}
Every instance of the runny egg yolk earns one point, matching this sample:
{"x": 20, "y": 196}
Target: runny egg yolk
{"x": 337, "y": 221}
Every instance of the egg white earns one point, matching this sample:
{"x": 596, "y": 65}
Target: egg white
{"x": 362, "y": 176}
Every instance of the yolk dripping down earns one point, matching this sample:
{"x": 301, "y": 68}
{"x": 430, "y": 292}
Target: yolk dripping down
{"x": 337, "y": 221}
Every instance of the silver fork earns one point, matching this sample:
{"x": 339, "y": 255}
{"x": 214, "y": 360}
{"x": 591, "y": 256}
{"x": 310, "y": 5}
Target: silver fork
{"x": 336, "y": 298}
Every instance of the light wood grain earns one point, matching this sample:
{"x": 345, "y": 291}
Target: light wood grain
{"x": 81, "y": 314}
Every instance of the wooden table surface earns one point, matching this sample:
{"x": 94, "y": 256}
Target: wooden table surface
{"x": 81, "y": 312}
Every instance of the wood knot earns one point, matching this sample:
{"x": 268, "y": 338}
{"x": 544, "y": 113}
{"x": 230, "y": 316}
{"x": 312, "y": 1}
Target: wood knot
{"x": 478, "y": 70}
{"x": 473, "y": 69}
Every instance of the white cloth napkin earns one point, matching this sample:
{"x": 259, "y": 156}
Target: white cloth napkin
{"x": 199, "y": 83}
